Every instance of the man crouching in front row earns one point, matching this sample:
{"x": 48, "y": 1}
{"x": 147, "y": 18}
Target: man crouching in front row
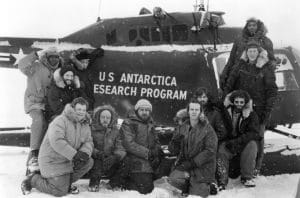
{"x": 65, "y": 152}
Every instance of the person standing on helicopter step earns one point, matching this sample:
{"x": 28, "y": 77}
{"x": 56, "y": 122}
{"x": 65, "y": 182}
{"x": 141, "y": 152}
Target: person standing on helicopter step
{"x": 196, "y": 163}
{"x": 108, "y": 149}
{"x": 142, "y": 146}
{"x": 243, "y": 128}
{"x": 256, "y": 75}
{"x": 65, "y": 154}
{"x": 39, "y": 71}
{"x": 83, "y": 60}
{"x": 254, "y": 30}
{"x": 65, "y": 87}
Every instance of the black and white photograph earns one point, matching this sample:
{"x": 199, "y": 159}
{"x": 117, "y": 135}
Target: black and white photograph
{"x": 150, "y": 98}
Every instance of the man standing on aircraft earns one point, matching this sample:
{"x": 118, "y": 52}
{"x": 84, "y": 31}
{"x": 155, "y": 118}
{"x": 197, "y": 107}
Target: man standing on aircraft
{"x": 109, "y": 152}
{"x": 39, "y": 71}
{"x": 253, "y": 30}
{"x": 243, "y": 126}
{"x": 64, "y": 88}
{"x": 142, "y": 146}
{"x": 196, "y": 164}
{"x": 255, "y": 74}
{"x": 65, "y": 154}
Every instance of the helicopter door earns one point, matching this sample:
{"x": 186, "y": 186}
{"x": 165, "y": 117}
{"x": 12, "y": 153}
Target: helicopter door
{"x": 287, "y": 110}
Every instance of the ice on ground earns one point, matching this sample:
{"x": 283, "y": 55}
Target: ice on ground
{"x": 12, "y": 170}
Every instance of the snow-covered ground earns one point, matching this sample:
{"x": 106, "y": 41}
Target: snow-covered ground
{"x": 12, "y": 172}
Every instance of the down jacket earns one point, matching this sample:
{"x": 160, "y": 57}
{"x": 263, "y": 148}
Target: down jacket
{"x": 39, "y": 74}
{"x": 107, "y": 140}
{"x": 259, "y": 81}
{"x": 139, "y": 138}
{"x": 199, "y": 145}
{"x": 59, "y": 94}
{"x": 65, "y": 136}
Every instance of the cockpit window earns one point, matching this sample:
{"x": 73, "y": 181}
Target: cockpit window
{"x": 285, "y": 77}
{"x": 132, "y": 35}
{"x": 155, "y": 34}
{"x": 180, "y": 32}
{"x": 144, "y": 33}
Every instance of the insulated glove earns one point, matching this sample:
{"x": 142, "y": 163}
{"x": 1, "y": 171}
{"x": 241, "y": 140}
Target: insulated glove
{"x": 185, "y": 166}
{"x": 80, "y": 159}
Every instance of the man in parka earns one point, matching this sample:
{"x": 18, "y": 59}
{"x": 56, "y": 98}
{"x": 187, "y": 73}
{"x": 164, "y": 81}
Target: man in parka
{"x": 65, "y": 154}
{"x": 108, "y": 150}
{"x": 65, "y": 87}
{"x": 142, "y": 146}
{"x": 196, "y": 163}
{"x": 255, "y": 75}
{"x": 243, "y": 132}
{"x": 39, "y": 71}
{"x": 254, "y": 30}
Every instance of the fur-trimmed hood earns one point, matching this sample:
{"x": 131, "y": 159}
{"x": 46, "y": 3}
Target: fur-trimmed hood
{"x": 96, "y": 117}
{"x": 261, "y": 30}
{"x": 44, "y": 58}
{"x": 70, "y": 113}
{"x": 246, "y": 110}
{"x": 58, "y": 79}
{"x": 261, "y": 60}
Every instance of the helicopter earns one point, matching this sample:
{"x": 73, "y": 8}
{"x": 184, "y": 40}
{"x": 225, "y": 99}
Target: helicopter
{"x": 162, "y": 57}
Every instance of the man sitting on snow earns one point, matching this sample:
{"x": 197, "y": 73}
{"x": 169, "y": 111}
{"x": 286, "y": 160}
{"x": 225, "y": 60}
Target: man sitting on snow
{"x": 65, "y": 153}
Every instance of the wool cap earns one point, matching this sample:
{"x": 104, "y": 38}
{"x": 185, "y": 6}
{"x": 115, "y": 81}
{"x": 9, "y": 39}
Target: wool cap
{"x": 143, "y": 103}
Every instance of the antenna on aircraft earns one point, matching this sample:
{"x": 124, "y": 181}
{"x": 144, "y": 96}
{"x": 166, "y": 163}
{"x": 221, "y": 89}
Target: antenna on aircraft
{"x": 99, "y": 9}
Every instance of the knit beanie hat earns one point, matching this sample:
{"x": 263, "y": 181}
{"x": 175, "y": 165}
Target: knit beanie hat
{"x": 143, "y": 103}
{"x": 253, "y": 44}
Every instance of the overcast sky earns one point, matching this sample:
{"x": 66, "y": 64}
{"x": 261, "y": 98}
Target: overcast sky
{"x": 58, "y": 18}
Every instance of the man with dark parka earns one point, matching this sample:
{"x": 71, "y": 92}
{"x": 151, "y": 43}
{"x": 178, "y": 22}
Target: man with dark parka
{"x": 243, "y": 133}
{"x": 196, "y": 163}
{"x": 108, "y": 150}
{"x": 65, "y": 154}
{"x": 142, "y": 146}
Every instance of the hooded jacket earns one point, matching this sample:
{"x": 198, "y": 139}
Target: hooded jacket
{"x": 107, "y": 139}
{"x": 258, "y": 80}
{"x": 199, "y": 145}
{"x": 59, "y": 94}
{"x": 65, "y": 136}
{"x": 248, "y": 124}
{"x": 240, "y": 45}
{"x": 139, "y": 138}
{"x": 39, "y": 74}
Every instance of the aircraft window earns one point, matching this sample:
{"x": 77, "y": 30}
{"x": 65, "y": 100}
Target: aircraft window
{"x": 166, "y": 33}
{"x": 144, "y": 34}
{"x": 155, "y": 34}
{"x": 180, "y": 32}
{"x": 284, "y": 63}
{"x": 132, "y": 35}
{"x": 111, "y": 37}
{"x": 220, "y": 61}
{"x": 286, "y": 81}
{"x": 297, "y": 55}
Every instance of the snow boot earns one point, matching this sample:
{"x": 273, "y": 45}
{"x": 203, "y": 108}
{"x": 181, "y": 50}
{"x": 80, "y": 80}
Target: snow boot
{"x": 248, "y": 182}
{"x": 26, "y": 184}
{"x": 73, "y": 190}
{"x": 94, "y": 184}
{"x": 32, "y": 162}
{"x": 213, "y": 188}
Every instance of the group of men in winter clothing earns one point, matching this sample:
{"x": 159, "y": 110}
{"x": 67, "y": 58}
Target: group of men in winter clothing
{"x": 210, "y": 135}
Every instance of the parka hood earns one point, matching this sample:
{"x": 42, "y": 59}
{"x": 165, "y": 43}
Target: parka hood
{"x": 261, "y": 60}
{"x": 261, "y": 30}
{"x": 58, "y": 79}
{"x": 96, "y": 117}
{"x": 70, "y": 113}
{"x": 246, "y": 110}
{"x": 44, "y": 58}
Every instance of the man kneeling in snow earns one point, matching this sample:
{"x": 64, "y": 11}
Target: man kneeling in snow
{"x": 65, "y": 152}
{"x": 197, "y": 143}
{"x": 108, "y": 151}
{"x": 242, "y": 124}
